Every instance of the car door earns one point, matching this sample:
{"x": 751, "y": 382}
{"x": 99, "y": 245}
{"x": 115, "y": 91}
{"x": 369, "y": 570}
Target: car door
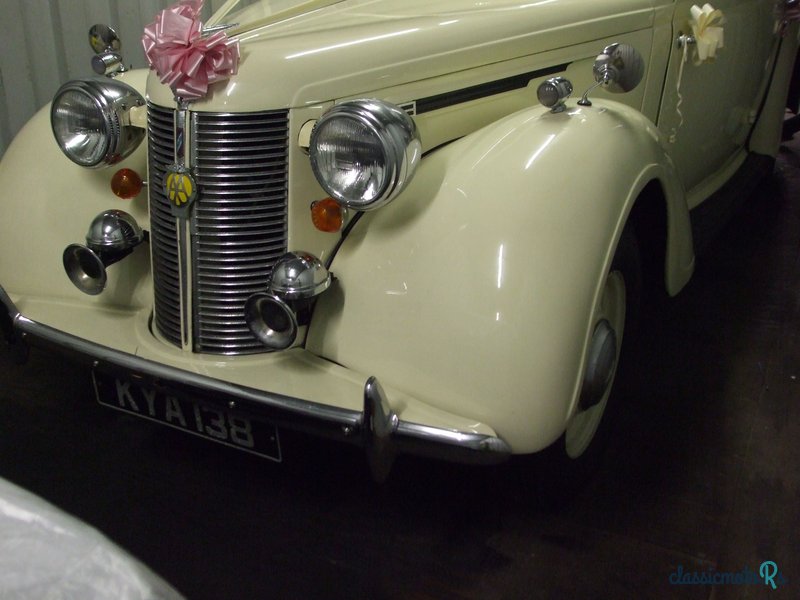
{"x": 708, "y": 109}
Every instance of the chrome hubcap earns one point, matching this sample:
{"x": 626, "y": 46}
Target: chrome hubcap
{"x": 601, "y": 366}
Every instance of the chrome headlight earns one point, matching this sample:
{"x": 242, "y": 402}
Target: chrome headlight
{"x": 299, "y": 276}
{"x": 364, "y": 152}
{"x": 91, "y": 121}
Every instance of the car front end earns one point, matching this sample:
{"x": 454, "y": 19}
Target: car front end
{"x": 206, "y": 296}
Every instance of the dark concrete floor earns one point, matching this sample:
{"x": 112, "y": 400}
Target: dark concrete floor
{"x": 701, "y": 473}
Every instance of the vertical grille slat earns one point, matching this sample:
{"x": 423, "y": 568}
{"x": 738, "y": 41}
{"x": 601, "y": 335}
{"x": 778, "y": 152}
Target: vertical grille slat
{"x": 239, "y": 223}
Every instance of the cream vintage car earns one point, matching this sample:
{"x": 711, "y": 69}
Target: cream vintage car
{"x": 411, "y": 226}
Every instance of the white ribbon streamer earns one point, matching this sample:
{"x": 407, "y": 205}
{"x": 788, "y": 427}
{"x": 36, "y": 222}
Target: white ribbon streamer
{"x": 673, "y": 136}
{"x": 706, "y": 24}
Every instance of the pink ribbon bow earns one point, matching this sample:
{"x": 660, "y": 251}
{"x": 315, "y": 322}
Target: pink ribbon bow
{"x": 183, "y": 59}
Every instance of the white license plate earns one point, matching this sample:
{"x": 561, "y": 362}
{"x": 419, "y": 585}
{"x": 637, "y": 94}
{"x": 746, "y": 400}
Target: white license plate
{"x": 229, "y": 427}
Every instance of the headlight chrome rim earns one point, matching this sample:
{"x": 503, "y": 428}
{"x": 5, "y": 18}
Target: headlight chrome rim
{"x": 112, "y": 100}
{"x": 390, "y": 128}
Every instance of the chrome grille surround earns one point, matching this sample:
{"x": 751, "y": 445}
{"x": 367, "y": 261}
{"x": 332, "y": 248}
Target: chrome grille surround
{"x": 238, "y": 227}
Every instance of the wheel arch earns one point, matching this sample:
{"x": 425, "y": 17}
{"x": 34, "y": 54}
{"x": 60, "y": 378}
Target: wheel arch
{"x": 473, "y": 291}
{"x": 648, "y": 219}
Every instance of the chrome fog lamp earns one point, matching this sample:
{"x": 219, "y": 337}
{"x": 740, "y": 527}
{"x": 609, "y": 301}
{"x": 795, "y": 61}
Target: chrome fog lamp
{"x": 364, "y": 152}
{"x": 273, "y": 316}
{"x": 91, "y": 121}
{"x": 112, "y": 235}
{"x": 299, "y": 276}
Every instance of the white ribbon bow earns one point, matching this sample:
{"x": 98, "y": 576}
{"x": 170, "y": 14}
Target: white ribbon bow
{"x": 706, "y": 26}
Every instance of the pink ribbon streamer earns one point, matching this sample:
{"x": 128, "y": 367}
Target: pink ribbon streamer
{"x": 183, "y": 59}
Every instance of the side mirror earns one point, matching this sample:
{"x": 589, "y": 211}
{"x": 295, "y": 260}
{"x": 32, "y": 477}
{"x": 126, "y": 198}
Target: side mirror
{"x": 106, "y": 45}
{"x": 103, "y": 38}
{"x": 619, "y": 68}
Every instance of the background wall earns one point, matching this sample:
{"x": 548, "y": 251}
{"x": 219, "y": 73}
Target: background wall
{"x": 44, "y": 43}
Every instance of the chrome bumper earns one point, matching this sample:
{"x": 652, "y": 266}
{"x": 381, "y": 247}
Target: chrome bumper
{"x": 376, "y": 428}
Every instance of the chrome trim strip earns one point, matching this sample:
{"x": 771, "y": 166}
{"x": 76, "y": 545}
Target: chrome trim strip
{"x": 473, "y": 441}
{"x": 183, "y": 241}
{"x": 104, "y": 356}
{"x": 182, "y": 137}
{"x": 180, "y": 133}
{"x": 382, "y": 434}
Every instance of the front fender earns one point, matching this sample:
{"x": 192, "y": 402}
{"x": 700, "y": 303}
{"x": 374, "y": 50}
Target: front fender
{"x": 48, "y": 203}
{"x": 474, "y": 291}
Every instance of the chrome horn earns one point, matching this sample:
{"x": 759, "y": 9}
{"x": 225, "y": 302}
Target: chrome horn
{"x": 112, "y": 235}
{"x": 274, "y": 316}
{"x": 271, "y": 320}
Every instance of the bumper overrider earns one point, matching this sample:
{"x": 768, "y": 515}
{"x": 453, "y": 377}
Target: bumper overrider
{"x": 376, "y": 428}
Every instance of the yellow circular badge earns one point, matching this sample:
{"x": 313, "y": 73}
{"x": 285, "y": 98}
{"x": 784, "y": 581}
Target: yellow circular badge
{"x": 179, "y": 187}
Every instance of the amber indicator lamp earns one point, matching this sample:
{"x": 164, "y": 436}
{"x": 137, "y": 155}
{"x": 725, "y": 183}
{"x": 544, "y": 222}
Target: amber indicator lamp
{"x": 327, "y": 215}
{"x": 126, "y": 183}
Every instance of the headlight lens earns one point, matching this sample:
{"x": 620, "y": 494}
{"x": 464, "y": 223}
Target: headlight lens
{"x": 91, "y": 123}
{"x": 364, "y": 152}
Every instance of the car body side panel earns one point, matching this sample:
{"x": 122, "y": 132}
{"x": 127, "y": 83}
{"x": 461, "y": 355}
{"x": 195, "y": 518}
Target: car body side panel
{"x": 475, "y": 288}
{"x": 709, "y": 108}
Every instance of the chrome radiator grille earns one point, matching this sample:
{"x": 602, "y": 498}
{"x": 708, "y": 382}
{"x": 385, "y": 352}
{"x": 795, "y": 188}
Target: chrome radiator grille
{"x": 163, "y": 227}
{"x": 237, "y": 229}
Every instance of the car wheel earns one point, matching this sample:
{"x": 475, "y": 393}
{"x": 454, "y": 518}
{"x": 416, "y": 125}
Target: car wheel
{"x": 609, "y": 331}
{"x": 573, "y": 458}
